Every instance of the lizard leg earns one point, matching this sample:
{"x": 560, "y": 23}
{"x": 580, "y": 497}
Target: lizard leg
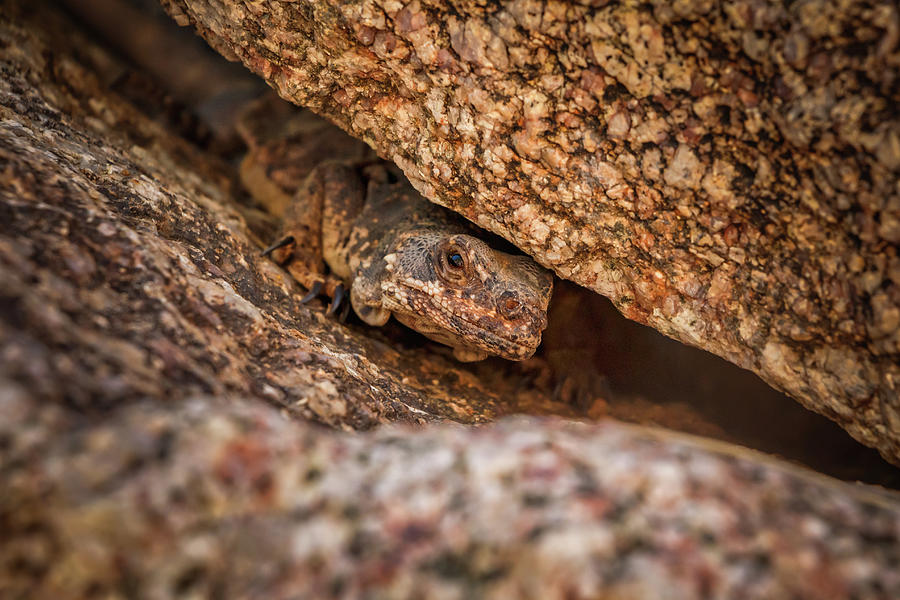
{"x": 299, "y": 244}
{"x": 344, "y": 198}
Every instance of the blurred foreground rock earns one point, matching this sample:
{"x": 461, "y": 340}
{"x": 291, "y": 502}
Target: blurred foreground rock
{"x": 227, "y": 498}
{"x": 725, "y": 172}
{"x": 159, "y": 383}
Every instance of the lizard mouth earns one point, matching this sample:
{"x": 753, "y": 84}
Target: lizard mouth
{"x": 476, "y": 338}
{"x": 454, "y": 328}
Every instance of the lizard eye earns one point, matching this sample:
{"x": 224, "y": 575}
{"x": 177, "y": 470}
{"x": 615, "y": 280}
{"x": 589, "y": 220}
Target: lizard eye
{"x": 453, "y": 263}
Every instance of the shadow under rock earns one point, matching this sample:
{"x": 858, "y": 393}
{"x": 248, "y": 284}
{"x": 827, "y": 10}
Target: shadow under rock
{"x": 639, "y": 375}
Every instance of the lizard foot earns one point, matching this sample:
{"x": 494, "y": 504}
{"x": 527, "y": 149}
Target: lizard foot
{"x": 339, "y": 305}
{"x": 336, "y": 300}
{"x": 344, "y": 312}
{"x": 314, "y": 291}
{"x": 285, "y": 253}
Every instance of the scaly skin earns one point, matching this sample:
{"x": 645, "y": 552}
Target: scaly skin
{"x": 399, "y": 254}
{"x": 343, "y": 209}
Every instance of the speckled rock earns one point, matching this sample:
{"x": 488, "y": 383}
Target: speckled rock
{"x": 727, "y": 173}
{"x": 128, "y": 270}
{"x": 169, "y": 412}
{"x": 232, "y": 499}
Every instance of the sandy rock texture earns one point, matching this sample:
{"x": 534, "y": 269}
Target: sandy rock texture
{"x": 128, "y": 269}
{"x": 170, "y": 414}
{"x": 725, "y": 172}
{"x": 215, "y": 498}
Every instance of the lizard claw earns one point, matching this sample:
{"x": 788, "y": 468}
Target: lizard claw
{"x": 313, "y": 291}
{"x": 344, "y": 312}
{"x": 336, "y": 301}
{"x": 285, "y": 241}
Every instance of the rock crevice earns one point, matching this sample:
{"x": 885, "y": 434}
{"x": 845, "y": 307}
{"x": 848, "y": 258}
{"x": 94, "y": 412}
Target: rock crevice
{"x": 727, "y": 173}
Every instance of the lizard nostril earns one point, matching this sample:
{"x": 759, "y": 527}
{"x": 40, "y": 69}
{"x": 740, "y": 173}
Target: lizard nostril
{"x": 509, "y": 305}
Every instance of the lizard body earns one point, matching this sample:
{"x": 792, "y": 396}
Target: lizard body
{"x": 399, "y": 254}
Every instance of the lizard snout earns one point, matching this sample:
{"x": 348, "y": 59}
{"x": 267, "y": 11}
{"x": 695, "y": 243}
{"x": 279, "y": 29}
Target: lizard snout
{"x": 511, "y": 307}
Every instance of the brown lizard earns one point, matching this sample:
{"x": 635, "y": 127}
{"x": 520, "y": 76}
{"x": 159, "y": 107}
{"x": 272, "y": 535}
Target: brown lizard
{"x": 399, "y": 254}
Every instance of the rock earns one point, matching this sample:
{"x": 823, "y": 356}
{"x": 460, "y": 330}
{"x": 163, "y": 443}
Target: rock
{"x": 163, "y": 398}
{"x": 719, "y": 186}
{"x": 233, "y": 499}
{"x": 128, "y": 269}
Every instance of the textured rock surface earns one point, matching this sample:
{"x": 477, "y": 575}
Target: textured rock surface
{"x": 727, "y": 173}
{"x": 230, "y": 499}
{"x": 125, "y": 273}
{"x": 157, "y": 383}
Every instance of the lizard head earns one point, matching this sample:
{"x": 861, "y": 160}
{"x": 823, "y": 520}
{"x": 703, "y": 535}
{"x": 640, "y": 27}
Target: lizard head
{"x": 457, "y": 290}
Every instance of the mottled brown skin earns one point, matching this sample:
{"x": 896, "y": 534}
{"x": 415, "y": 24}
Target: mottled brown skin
{"x": 399, "y": 254}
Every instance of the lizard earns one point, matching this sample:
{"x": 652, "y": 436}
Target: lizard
{"x": 359, "y": 228}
